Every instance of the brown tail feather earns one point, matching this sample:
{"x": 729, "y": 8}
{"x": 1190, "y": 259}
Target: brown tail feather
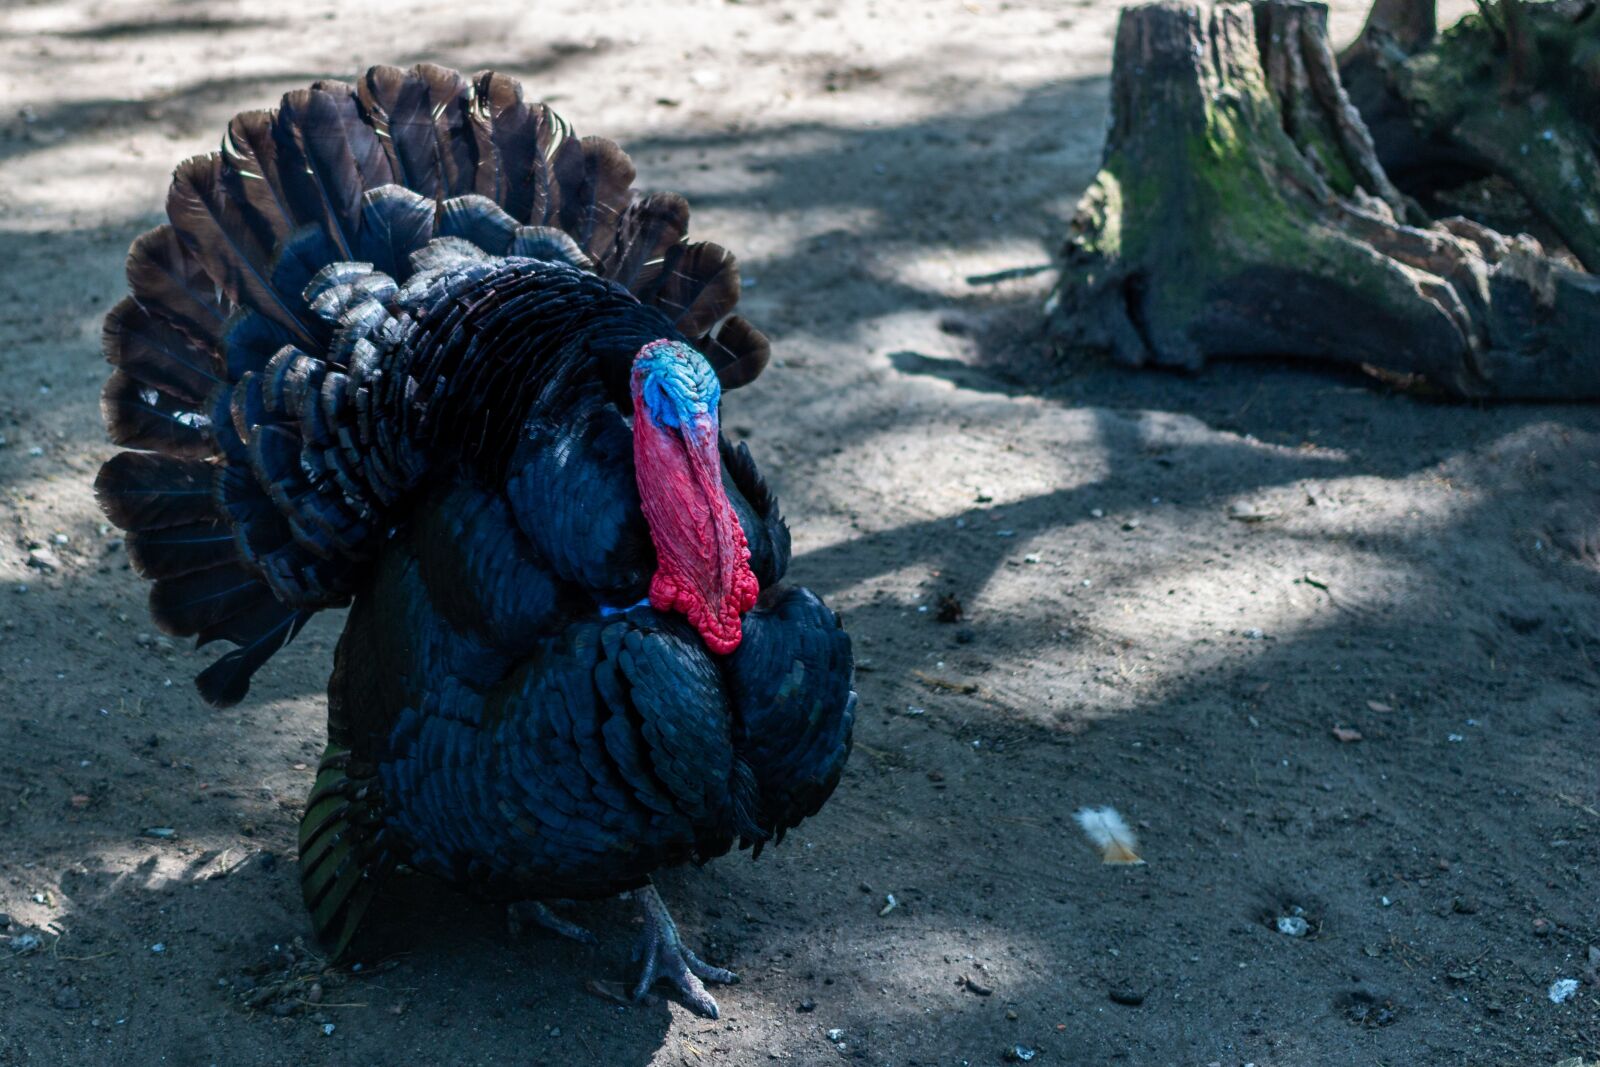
{"x": 699, "y": 285}
{"x": 594, "y": 177}
{"x": 420, "y": 118}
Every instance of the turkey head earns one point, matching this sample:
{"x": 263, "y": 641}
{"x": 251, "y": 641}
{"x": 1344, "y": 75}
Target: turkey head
{"x": 702, "y": 559}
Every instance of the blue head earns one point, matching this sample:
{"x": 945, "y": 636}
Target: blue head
{"x": 702, "y": 558}
{"x": 677, "y": 387}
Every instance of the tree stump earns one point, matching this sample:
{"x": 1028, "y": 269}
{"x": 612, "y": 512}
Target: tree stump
{"x": 1241, "y": 210}
{"x": 1512, "y": 92}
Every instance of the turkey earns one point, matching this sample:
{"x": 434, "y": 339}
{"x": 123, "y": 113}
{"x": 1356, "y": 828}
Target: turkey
{"x": 412, "y": 346}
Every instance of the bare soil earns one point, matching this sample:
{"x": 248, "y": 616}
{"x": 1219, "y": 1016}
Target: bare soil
{"x": 1173, "y": 590}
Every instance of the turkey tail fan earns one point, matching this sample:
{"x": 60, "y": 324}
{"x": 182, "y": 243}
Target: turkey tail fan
{"x": 594, "y": 178}
{"x": 257, "y": 496}
{"x": 547, "y": 242}
{"x": 253, "y": 175}
{"x": 699, "y": 285}
{"x": 160, "y": 354}
{"x": 479, "y": 220}
{"x": 421, "y": 118}
{"x": 330, "y": 157}
{"x": 262, "y": 631}
{"x": 738, "y": 353}
{"x": 164, "y": 274}
{"x": 178, "y": 550}
{"x": 395, "y": 222}
{"x": 189, "y": 603}
{"x": 219, "y": 232}
{"x": 518, "y": 140}
{"x": 141, "y": 417}
{"x": 649, "y": 229}
{"x": 144, "y": 491}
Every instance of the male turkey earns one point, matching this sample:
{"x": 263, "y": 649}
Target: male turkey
{"x": 386, "y": 353}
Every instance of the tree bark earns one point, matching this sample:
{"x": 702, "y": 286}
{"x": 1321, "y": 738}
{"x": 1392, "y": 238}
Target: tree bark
{"x": 1241, "y": 210}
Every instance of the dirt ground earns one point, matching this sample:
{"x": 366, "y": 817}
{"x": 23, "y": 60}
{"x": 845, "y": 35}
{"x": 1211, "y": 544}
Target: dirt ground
{"x": 894, "y": 174}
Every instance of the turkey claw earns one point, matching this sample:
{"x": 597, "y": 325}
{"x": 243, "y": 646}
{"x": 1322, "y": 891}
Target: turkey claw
{"x": 522, "y": 914}
{"x": 666, "y": 956}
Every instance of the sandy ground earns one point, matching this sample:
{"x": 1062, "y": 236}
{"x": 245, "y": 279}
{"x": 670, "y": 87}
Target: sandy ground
{"x": 1422, "y": 574}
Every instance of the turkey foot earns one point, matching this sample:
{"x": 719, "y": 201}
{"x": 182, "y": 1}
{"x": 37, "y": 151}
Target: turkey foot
{"x": 521, "y": 914}
{"x": 666, "y": 956}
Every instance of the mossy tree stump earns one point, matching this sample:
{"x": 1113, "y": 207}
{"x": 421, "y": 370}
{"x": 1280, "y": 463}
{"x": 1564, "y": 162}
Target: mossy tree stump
{"x": 1513, "y": 91}
{"x": 1241, "y": 210}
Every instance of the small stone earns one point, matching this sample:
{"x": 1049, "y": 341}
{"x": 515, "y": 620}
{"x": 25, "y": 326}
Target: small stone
{"x": 1249, "y": 513}
{"x": 67, "y": 999}
{"x": 1020, "y": 1054}
{"x": 1131, "y": 524}
{"x": 1465, "y": 905}
{"x": 1562, "y": 989}
{"x": 949, "y": 608}
{"x": 806, "y": 1006}
{"x": 159, "y": 947}
{"x": 1011, "y": 1015}
{"x": 161, "y": 832}
{"x": 555, "y": 1031}
{"x": 836, "y": 1035}
{"x": 42, "y": 559}
{"x": 1542, "y": 928}
{"x": 1293, "y": 926}
{"x": 1126, "y": 995}
{"x": 1097, "y": 513}
{"x": 327, "y": 1029}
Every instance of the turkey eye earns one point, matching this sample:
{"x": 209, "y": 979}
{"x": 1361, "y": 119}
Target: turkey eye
{"x": 661, "y": 406}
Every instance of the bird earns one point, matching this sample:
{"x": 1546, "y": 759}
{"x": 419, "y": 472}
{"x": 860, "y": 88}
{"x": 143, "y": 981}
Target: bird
{"x": 412, "y": 347}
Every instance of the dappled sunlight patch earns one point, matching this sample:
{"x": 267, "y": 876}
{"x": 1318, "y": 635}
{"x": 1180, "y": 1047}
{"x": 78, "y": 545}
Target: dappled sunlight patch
{"x": 59, "y": 885}
{"x": 51, "y": 186}
{"x": 947, "y": 269}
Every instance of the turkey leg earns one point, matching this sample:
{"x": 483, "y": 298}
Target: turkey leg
{"x": 666, "y": 956}
{"x": 521, "y": 914}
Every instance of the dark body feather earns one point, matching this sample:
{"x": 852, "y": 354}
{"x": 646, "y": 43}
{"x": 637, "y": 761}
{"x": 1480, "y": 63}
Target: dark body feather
{"x": 380, "y": 357}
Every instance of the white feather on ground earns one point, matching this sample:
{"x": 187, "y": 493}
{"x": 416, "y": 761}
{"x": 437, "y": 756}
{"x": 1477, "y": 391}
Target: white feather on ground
{"x": 1110, "y": 835}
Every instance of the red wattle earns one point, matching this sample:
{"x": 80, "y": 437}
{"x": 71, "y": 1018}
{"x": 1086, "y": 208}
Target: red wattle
{"x": 702, "y": 559}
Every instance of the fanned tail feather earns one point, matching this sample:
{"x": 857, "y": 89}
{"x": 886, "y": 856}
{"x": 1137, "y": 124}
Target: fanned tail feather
{"x": 251, "y": 356}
